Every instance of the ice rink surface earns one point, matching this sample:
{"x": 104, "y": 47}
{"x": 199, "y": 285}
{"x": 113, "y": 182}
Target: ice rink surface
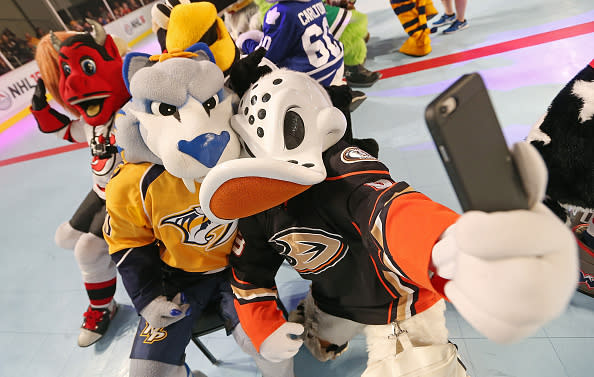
{"x": 525, "y": 50}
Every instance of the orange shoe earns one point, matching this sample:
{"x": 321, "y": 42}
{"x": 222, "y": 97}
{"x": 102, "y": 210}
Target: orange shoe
{"x": 418, "y": 44}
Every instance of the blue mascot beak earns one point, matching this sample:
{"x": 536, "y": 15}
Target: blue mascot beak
{"x": 206, "y": 148}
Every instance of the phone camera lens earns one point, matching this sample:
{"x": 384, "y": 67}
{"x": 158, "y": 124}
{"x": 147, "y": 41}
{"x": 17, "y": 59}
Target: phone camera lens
{"x": 447, "y": 106}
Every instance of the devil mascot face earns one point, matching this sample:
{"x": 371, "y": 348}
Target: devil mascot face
{"x": 91, "y": 75}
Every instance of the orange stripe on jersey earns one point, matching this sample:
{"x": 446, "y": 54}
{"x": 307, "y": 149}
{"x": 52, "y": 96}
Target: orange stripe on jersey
{"x": 259, "y": 320}
{"x": 356, "y": 227}
{"x": 357, "y": 173}
{"x": 413, "y": 225}
{"x": 390, "y": 312}
{"x": 321, "y": 267}
{"x": 237, "y": 279}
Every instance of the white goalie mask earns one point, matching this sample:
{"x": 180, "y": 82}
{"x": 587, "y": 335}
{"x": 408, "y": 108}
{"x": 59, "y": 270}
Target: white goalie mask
{"x": 287, "y": 116}
{"x": 286, "y": 121}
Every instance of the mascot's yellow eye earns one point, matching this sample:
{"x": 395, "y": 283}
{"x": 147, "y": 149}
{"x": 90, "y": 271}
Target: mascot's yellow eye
{"x": 164, "y": 109}
{"x": 210, "y": 103}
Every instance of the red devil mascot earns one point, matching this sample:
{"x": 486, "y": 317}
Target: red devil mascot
{"x": 83, "y": 73}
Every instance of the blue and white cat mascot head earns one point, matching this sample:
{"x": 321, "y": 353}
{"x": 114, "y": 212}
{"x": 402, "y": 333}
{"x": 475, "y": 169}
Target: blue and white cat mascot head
{"x": 179, "y": 113}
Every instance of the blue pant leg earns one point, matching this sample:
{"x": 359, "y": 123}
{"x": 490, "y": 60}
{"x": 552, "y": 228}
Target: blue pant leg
{"x": 168, "y": 345}
{"x": 226, "y": 305}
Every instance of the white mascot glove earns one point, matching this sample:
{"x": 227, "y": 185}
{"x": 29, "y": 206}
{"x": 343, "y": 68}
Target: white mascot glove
{"x": 161, "y": 312}
{"x": 510, "y": 272}
{"x": 254, "y": 35}
{"x": 283, "y": 343}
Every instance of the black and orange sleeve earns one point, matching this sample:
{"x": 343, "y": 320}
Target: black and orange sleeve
{"x": 254, "y": 265}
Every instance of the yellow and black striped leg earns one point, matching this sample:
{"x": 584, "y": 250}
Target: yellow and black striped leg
{"x": 411, "y": 14}
{"x": 430, "y": 10}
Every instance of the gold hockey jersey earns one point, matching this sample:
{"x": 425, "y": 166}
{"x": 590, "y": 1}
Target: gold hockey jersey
{"x": 145, "y": 203}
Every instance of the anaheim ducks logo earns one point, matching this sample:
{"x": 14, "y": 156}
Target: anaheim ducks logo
{"x": 310, "y": 251}
{"x": 197, "y": 229}
{"x": 152, "y": 334}
{"x": 354, "y": 154}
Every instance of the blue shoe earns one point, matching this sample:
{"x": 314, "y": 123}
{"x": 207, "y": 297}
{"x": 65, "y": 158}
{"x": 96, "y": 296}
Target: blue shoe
{"x": 445, "y": 19}
{"x": 456, "y": 26}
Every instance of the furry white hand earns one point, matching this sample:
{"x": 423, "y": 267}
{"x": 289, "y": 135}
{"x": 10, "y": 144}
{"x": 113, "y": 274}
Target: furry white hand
{"x": 510, "y": 272}
{"x": 283, "y": 343}
{"x": 161, "y": 312}
{"x": 255, "y": 35}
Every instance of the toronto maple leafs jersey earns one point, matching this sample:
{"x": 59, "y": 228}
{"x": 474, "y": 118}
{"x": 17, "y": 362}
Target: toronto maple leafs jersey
{"x": 296, "y": 36}
{"x": 152, "y": 219}
{"x": 362, "y": 239}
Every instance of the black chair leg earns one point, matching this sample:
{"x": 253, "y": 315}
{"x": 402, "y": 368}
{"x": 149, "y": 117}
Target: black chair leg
{"x": 205, "y": 351}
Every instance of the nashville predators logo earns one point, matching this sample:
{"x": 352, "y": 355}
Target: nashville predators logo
{"x": 310, "y": 251}
{"x": 198, "y": 230}
{"x": 152, "y": 334}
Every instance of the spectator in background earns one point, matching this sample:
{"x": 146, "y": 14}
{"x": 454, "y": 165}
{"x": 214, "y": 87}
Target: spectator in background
{"x": 16, "y": 50}
{"x": 76, "y": 26}
{"x": 31, "y": 41}
{"x": 105, "y": 14}
{"x": 3, "y": 67}
{"x": 39, "y": 32}
{"x": 133, "y": 4}
{"x": 456, "y": 20}
{"x": 125, "y": 8}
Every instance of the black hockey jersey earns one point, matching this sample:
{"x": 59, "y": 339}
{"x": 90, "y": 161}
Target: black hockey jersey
{"x": 362, "y": 239}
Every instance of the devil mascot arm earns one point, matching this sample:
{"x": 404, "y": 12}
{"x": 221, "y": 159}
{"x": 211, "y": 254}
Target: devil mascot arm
{"x": 82, "y": 72}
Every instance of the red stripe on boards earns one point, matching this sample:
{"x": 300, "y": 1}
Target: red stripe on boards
{"x": 44, "y": 153}
{"x": 440, "y": 61}
{"x": 498, "y": 48}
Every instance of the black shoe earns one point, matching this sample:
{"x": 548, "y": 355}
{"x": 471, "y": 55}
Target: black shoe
{"x": 359, "y": 76}
{"x": 95, "y": 324}
{"x": 358, "y": 98}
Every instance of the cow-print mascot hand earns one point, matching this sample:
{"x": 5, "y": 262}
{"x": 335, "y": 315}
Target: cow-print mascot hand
{"x": 247, "y": 71}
